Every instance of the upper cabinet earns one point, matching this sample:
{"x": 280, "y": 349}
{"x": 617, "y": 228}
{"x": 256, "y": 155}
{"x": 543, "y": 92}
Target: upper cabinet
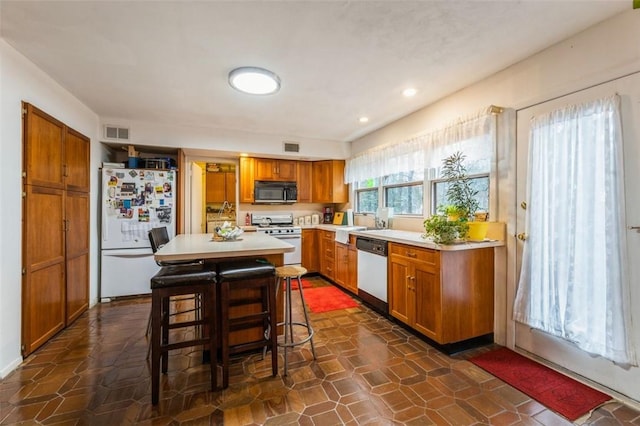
{"x": 247, "y": 178}
{"x": 221, "y": 187}
{"x": 304, "y": 181}
{"x": 328, "y": 182}
{"x": 270, "y": 169}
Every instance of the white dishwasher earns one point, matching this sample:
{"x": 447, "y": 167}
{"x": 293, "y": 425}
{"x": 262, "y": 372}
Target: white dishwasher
{"x": 372, "y": 272}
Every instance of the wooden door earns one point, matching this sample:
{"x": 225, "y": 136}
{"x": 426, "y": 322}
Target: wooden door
{"x": 265, "y": 169}
{"x": 401, "y": 300}
{"x": 43, "y": 285}
{"x": 310, "y": 250}
{"x": 44, "y": 152}
{"x": 247, "y": 179}
{"x": 215, "y": 188}
{"x": 341, "y": 276}
{"x": 428, "y": 305}
{"x": 77, "y": 254}
{"x": 286, "y": 170}
{"x": 76, "y": 161}
{"x": 304, "y": 181}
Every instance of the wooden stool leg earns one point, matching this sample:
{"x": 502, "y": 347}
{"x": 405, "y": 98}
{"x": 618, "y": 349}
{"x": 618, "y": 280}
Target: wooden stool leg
{"x": 156, "y": 313}
{"x": 224, "y": 326}
{"x": 273, "y": 321}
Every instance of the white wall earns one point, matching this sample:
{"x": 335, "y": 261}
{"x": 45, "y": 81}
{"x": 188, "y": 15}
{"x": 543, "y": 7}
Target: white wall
{"x": 602, "y": 53}
{"x": 21, "y": 80}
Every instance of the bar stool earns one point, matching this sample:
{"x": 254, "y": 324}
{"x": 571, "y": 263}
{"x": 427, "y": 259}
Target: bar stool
{"x": 255, "y": 274}
{"x": 287, "y": 272}
{"x": 177, "y": 281}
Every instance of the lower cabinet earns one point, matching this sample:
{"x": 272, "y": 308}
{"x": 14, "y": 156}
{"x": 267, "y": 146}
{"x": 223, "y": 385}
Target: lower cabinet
{"x": 346, "y": 265}
{"x": 310, "y": 259}
{"x": 445, "y": 295}
{"x": 327, "y": 253}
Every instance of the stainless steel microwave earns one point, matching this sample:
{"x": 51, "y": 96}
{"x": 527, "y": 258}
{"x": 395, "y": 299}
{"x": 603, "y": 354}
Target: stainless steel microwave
{"x": 274, "y": 192}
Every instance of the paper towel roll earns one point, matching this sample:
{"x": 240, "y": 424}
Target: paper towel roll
{"x": 350, "y": 217}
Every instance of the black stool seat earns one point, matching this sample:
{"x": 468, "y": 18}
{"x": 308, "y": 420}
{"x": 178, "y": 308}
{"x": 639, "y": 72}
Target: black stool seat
{"x": 171, "y": 276}
{"x": 245, "y": 269}
{"x": 257, "y": 276}
{"x": 179, "y": 281}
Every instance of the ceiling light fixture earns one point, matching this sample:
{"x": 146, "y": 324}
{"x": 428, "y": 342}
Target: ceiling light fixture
{"x": 364, "y": 119}
{"x": 254, "y": 80}
{"x": 409, "y": 92}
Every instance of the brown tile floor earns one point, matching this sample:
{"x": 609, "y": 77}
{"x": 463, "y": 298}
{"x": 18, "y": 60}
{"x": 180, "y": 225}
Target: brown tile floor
{"x": 368, "y": 371}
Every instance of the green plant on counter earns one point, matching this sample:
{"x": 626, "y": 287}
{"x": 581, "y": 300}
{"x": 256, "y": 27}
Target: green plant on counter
{"x": 460, "y": 193}
{"x": 444, "y": 231}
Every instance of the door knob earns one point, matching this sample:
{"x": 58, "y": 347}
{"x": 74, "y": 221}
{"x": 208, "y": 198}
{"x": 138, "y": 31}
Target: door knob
{"x": 522, "y": 236}
{"x": 523, "y": 205}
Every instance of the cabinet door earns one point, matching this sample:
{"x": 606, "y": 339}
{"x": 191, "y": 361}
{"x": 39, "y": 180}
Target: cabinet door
{"x": 216, "y": 188}
{"x": 76, "y": 161}
{"x": 352, "y": 267}
{"x": 265, "y": 169}
{"x": 428, "y": 304}
{"x": 43, "y": 285}
{"x": 247, "y": 168}
{"x": 341, "y": 275}
{"x": 327, "y": 254}
{"x": 304, "y": 181}
{"x": 44, "y": 149}
{"x": 401, "y": 299}
{"x": 310, "y": 250}
{"x": 230, "y": 187}
{"x": 286, "y": 170}
{"x": 77, "y": 254}
{"x": 321, "y": 188}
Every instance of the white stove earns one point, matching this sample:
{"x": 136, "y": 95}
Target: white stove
{"x": 281, "y": 226}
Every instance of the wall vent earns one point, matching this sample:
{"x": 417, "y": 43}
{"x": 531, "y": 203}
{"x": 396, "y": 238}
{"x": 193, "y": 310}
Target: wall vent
{"x": 116, "y": 133}
{"x": 291, "y": 146}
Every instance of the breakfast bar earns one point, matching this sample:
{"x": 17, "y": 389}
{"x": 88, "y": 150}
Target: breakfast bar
{"x": 250, "y": 245}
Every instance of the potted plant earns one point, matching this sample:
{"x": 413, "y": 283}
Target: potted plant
{"x": 461, "y": 208}
{"x": 444, "y": 231}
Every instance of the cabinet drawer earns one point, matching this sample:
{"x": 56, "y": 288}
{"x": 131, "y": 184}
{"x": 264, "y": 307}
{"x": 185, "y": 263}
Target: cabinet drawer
{"x": 425, "y": 255}
{"x": 328, "y": 268}
{"x": 329, "y": 235}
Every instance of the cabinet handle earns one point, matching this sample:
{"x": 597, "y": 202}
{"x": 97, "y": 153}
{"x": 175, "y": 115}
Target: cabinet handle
{"x": 410, "y": 254}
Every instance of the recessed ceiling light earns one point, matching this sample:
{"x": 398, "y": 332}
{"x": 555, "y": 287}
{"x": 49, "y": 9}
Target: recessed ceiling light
{"x": 364, "y": 119}
{"x": 254, "y": 80}
{"x": 409, "y": 92}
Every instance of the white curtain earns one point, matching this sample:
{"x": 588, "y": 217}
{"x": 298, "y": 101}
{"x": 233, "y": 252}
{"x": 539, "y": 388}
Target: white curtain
{"x": 573, "y": 282}
{"x": 474, "y": 135}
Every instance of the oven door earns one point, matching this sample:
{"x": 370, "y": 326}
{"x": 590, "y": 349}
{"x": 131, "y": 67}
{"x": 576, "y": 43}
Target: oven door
{"x": 292, "y": 257}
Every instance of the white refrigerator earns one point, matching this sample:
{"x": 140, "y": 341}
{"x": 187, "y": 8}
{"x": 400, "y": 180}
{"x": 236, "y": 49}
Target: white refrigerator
{"x": 133, "y": 201}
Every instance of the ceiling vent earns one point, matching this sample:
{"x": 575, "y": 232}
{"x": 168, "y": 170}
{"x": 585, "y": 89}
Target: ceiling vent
{"x": 116, "y": 133}
{"x": 291, "y": 146}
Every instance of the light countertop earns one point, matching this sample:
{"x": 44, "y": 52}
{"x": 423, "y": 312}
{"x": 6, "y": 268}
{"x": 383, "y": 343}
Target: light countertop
{"x": 202, "y": 246}
{"x": 416, "y": 239}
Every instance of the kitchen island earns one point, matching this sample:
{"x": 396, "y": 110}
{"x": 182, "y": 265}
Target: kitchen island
{"x": 248, "y": 245}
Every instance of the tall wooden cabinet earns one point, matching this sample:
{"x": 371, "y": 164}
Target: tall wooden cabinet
{"x": 247, "y": 179}
{"x": 55, "y": 242}
{"x": 310, "y": 250}
{"x": 305, "y": 181}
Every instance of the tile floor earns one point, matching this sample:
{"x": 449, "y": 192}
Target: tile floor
{"x": 368, "y": 371}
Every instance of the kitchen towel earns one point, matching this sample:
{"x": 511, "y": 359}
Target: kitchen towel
{"x": 342, "y": 236}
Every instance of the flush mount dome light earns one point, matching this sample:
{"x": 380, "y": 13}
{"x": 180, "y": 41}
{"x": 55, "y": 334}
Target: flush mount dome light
{"x": 254, "y": 80}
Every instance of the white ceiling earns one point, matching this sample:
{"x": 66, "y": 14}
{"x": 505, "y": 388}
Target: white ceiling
{"x": 338, "y": 60}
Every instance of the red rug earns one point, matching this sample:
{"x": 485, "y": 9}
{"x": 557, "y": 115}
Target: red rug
{"x": 327, "y": 298}
{"x": 556, "y": 391}
{"x": 294, "y": 284}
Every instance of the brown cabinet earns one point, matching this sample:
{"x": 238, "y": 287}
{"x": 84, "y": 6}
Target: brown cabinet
{"x": 271, "y": 169}
{"x": 220, "y": 187}
{"x": 328, "y": 182}
{"x": 346, "y": 264}
{"x": 247, "y": 171}
{"x": 445, "y": 295}
{"x": 55, "y": 287}
{"x": 305, "y": 181}
{"x": 310, "y": 250}
{"x": 327, "y": 253}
